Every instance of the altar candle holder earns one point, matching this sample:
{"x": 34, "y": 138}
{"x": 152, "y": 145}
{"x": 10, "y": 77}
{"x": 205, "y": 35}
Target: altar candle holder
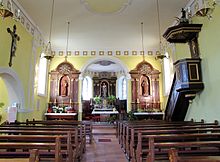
{"x": 70, "y": 102}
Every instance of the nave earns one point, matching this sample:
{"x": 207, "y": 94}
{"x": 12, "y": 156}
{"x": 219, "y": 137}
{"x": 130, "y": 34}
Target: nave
{"x": 105, "y": 146}
{"x": 86, "y": 141}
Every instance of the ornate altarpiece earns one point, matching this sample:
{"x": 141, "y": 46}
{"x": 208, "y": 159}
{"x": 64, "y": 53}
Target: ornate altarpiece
{"x": 64, "y": 85}
{"x": 145, "y": 87}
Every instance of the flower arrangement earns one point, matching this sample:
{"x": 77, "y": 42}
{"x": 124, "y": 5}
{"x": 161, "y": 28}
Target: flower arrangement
{"x": 111, "y": 99}
{"x": 97, "y": 99}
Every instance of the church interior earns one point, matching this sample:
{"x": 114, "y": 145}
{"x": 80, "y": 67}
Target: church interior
{"x": 122, "y": 74}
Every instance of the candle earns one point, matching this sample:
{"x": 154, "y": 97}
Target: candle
{"x": 55, "y": 100}
{"x": 70, "y": 101}
{"x": 18, "y": 13}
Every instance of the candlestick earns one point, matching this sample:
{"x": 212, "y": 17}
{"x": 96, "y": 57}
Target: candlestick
{"x": 55, "y": 100}
{"x": 70, "y": 102}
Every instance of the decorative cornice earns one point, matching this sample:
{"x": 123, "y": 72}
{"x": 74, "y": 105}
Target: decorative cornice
{"x": 21, "y": 16}
{"x": 105, "y": 53}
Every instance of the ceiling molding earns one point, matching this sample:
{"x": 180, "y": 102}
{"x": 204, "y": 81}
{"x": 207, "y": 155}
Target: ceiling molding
{"x": 107, "y": 6}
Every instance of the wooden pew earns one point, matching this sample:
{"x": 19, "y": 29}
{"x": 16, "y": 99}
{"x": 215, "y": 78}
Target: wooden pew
{"x": 124, "y": 126}
{"x": 33, "y": 157}
{"x": 131, "y": 137}
{"x": 158, "y": 145}
{"x": 55, "y": 146}
{"x": 74, "y": 148}
{"x": 86, "y": 124}
{"x": 81, "y": 130}
{"x": 174, "y": 157}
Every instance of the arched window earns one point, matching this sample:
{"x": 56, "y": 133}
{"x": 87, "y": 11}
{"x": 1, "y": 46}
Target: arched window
{"x": 168, "y": 74}
{"x": 42, "y": 76}
{"x": 87, "y": 88}
{"x": 122, "y": 88}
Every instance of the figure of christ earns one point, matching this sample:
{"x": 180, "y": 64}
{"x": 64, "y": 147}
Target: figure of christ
{"x": 15, "y": 38}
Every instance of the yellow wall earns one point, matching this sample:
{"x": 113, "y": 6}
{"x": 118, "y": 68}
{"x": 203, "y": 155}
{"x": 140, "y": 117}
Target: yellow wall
{"x": 206, "y": 104}
{"x": 4, "y": 99}
{"x": 22, "y": 65}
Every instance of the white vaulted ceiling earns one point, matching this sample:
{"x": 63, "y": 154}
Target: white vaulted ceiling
{"x": 103, "y": 24}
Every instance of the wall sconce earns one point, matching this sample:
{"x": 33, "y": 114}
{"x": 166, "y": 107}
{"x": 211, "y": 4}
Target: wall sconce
{"x": 205, "y": 8}
{"x": 4, "y": 12}
{"x": 160, "y": 57}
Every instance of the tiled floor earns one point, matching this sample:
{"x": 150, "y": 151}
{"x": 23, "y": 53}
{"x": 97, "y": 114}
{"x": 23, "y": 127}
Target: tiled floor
{"x": 105, "y": 151}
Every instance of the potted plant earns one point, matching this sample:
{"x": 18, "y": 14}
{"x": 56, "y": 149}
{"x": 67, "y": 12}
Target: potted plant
{"x": 97, "y": 100}
{"x": 111, "y": 99}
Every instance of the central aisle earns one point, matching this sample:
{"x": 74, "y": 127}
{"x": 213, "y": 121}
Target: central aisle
{"x": 105, "y": 146}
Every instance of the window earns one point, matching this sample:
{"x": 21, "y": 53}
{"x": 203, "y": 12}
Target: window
{"x": 168, "y": 74}
{"x": 42, "y": 76}
{"x": 122, "y": 88}
{"x": 87, "y": 88}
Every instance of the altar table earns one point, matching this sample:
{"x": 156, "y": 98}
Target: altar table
{"x": 61, "y": 116}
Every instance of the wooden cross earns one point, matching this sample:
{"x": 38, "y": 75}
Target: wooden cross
{"x": 15, "y": 38}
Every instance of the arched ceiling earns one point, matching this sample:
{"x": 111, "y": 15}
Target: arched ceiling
{"x": 95, "y": 25}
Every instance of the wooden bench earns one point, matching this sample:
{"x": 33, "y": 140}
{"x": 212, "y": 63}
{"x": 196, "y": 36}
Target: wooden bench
{"x": 151, "y": 146}
{"x": 81, "y": 134}
{"x": 54, "y": 147}
{"x": 131, "y": 136}
{"x": 33, "y": 157}
{"x": 86, "y": 124}
{"x": 174, "y": 157}
{"x": 71, "y": 138}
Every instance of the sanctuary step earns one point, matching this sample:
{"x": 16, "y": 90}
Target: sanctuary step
{"x": 103, "y": 128}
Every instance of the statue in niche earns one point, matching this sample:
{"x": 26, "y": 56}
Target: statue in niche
{"x": 145, "y": 87}
{"x": 64, "y": 86}
{"x": 104, "y": 90}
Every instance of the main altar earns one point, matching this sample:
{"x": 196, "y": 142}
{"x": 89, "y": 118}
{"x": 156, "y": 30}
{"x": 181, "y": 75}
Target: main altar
{"x": 104, "y": 107}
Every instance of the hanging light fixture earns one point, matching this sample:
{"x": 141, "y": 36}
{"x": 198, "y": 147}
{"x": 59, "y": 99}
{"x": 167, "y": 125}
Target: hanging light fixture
{"x": 159, "y": 54}
{"x": 67, "y": 39}
{"x": 4, "y": 12}
{"x": 142, "y": 39}
{"x": 48, "y": 50}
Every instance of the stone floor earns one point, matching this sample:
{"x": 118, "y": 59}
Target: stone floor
{"x": 105, "y": 147}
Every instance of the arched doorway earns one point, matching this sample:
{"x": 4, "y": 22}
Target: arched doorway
{"x": 14, "y": 88}
{"x": 105, "y": 74}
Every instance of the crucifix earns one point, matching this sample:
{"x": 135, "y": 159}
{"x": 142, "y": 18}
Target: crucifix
{"x": 15, "y": 38}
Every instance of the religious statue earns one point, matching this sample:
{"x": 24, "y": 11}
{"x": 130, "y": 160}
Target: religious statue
{"x": 144, "y": 88}
{"x": 64, "y": 87}
{"x": 104, "y": 90}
